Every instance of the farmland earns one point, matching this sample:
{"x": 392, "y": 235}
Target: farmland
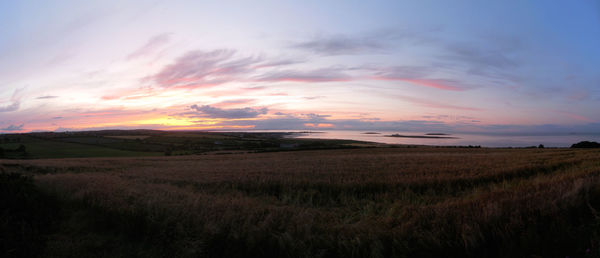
{"x": 139, "y": 143}
{"x": 351, "y": 202}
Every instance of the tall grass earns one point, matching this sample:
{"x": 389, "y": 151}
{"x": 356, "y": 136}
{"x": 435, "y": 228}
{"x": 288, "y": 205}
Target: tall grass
{"x": 381, "y": 202}
{"x": 26, "y": 216}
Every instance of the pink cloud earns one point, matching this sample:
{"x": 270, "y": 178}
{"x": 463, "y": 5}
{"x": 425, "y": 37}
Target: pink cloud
{"x": 200, "y": 68}
{"x": 234, "y": 102}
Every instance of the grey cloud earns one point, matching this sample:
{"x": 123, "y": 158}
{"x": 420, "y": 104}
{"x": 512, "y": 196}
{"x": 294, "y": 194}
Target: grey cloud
{"x": 314, "y": 97}
{"x": 47, "y": 97}
{"x": 213, "y": 112}
{"x": 314, "y": 116}
{"x": 340, "y": 45}
{"x": 10, "y": 107}
{"x": 11, "y": 128}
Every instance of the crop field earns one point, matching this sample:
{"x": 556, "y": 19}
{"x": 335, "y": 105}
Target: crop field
{"x": 367, "y": 202}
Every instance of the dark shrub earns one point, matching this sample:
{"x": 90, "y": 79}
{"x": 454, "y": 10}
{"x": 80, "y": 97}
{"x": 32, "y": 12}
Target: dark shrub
{"x": 586, "y": 144}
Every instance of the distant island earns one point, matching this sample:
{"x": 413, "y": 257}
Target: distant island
{"x": 427, "y": 136}
{"x": 437, "y": 134}
{"x": 371, "y": 133}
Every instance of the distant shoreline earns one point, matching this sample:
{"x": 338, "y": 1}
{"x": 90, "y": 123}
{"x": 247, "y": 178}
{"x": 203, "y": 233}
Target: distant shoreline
{"x": 427, "y": 136}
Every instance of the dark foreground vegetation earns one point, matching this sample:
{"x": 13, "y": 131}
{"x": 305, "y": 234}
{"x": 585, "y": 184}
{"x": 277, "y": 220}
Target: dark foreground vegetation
{"x": 586, "y": 144}
{"x": 375, "y": 202}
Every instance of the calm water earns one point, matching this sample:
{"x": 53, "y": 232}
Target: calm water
{"x": 559, "y": 140}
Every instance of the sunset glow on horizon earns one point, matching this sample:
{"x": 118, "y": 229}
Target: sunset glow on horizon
{"x": 453, "y": 66}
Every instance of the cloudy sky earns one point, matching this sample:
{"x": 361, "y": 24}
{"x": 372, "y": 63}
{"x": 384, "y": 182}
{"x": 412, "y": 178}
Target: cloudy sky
{"x": 464, "y": 66}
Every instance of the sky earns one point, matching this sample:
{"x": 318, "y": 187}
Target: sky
{"x": 453, "y": 66}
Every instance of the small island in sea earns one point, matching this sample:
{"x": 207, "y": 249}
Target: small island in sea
{"x": 437, "y": 134}
{"x": 430, "y": 136}
{"x": 371, "y": 133}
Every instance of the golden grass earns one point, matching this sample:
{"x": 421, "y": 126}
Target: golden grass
{"x": 376, "y": 202}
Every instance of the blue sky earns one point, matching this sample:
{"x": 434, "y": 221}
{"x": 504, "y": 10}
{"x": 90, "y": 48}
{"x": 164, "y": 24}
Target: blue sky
{"x": 469, "y": 66}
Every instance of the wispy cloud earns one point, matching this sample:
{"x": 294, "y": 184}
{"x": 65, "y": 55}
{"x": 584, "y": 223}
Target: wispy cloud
{"x": 14, "y": 103}
{"x": 279, "y": 63}
{"x": 151, "y": 46}
{"x": 213, "y": 112}
{"x": 318, "y": 75}
{"x": 197, "y": 69}
{"x": 200, "y": 68}
{"x": 493, "y": 58}
{"x": 366, "y": 43}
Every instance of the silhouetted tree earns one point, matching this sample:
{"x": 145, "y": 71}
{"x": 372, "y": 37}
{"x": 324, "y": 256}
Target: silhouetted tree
{"x": 541, "y": 146}
{"x": 586, "y": 144}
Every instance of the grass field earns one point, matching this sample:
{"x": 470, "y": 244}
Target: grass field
{"x": 375, "y": 202}
{"x": 41, "y": 148}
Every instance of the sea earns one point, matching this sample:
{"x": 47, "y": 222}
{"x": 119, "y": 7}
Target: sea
{"x": 454, "y": 139}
